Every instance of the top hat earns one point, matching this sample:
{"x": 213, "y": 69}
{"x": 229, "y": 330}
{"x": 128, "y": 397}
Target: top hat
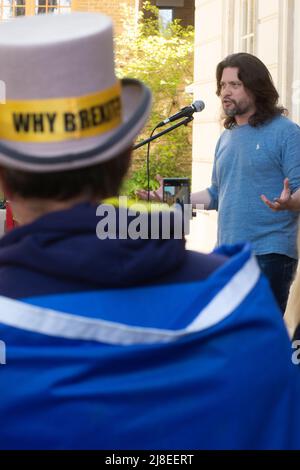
{"x": 64, "y": 107}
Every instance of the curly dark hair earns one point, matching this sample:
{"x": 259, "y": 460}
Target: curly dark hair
{"x": 257, "y": 79}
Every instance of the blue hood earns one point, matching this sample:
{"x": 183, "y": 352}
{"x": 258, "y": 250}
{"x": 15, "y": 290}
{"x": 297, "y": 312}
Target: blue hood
{"x": 46, "y": 248}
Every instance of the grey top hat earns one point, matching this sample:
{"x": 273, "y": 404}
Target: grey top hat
{"x": 64, "y": 106}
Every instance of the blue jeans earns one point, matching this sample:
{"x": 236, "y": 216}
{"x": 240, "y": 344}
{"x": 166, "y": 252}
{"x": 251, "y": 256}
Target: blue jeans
{"x": 280, "y": 271}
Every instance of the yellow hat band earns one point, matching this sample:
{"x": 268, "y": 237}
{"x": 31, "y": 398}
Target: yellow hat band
{"x": 59, "y": 119}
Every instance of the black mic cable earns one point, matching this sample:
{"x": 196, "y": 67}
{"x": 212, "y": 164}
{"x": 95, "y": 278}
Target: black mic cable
{"x": 148, "y": 163}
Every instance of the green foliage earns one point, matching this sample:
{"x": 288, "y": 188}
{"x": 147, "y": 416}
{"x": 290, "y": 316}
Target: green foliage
{"x": 163, "y": 59}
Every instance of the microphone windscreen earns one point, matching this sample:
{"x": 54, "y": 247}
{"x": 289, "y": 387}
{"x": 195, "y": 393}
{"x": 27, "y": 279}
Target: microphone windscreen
{"x": 199, "y": 106}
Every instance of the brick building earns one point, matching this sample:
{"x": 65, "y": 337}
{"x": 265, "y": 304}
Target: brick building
{"x": 112, "y": 8}
{"x": 169, "y": 9}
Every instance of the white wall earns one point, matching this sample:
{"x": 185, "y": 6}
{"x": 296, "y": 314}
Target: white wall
{"x": 209, "y": 50}
{"x": 296, "y": 60}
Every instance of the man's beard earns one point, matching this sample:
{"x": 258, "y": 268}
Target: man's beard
{"x": 238, "y": 110}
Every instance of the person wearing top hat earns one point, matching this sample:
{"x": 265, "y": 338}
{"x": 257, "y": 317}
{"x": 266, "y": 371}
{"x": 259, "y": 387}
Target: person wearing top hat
{"x": 117, "y": 342}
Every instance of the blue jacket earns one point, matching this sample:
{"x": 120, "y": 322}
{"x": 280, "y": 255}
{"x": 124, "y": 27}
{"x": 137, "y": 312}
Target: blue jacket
{"x": 124, "y": 344}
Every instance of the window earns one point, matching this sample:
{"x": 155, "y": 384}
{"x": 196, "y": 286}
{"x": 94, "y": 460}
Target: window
{"x": 165, "y": 17}
{"x": 248, "y": 25}
{"x": 45, "y": 6}
{"x": 19, "y": 7}
{"x": 11, "y": 8}
{"x": 52, "y": 6}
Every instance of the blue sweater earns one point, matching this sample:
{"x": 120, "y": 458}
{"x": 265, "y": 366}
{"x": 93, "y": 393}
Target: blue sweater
{"x": 249, "y": 162}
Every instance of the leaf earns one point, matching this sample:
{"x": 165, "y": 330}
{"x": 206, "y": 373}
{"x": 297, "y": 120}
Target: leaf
{"x": 164, "y": 61}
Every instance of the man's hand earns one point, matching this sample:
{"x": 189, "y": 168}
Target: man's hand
{"x": 155, "y": 195}
{"x": 282, "y": 203}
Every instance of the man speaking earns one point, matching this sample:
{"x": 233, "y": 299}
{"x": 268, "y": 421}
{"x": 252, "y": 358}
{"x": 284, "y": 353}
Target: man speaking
{"x": 257, "y": 152}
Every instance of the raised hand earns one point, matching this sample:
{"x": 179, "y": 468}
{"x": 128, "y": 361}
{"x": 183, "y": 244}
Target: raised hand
{"x": 155, "y": 195}
{"x": 281, "y": 203}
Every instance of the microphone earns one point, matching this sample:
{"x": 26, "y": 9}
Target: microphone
{"x": 187, "y": 111}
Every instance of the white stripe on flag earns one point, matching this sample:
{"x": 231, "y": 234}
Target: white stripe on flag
{"x": 54, "y": 323}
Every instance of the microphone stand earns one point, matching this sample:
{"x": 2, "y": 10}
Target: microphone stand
{"x": 184, "y": 122}
{"x": 159, "y": 134}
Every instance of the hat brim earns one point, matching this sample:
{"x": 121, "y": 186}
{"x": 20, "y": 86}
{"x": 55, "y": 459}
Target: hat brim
{"x": 72, "y": 154}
